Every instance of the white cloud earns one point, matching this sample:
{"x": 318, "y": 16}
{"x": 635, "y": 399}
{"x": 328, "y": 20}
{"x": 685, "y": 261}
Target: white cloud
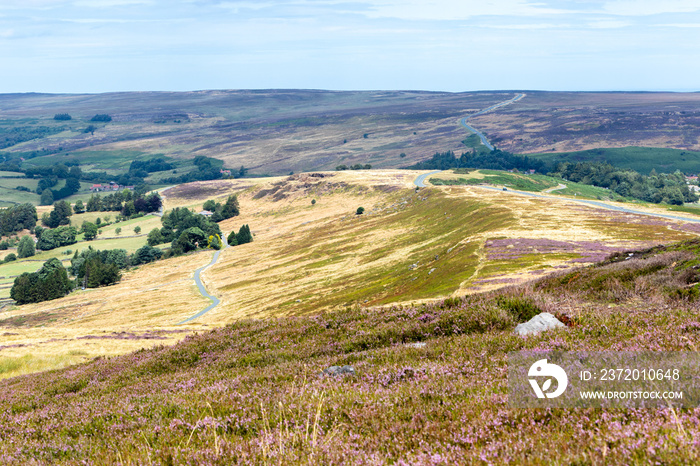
{"x": 608, "y": 24}
{"x": 526, "y": 27}
{"x": 680, "y": 25}
{"x": 457, "y": 10}
{"x": 7, "y": 33}
{"x": 109, "y": 3}
{"x": 650, "y": 7}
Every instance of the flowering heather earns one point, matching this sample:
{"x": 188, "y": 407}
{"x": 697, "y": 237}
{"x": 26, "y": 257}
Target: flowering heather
{"x": 516, "y": 248}
{"x": 253, "y": 392}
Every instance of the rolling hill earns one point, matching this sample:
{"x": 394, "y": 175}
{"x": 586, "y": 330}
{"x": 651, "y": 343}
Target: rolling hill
{"x": 278, "y": 131}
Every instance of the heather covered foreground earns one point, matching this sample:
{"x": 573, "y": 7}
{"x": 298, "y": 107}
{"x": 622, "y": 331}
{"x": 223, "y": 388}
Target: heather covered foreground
{"x": 251, "y": 392}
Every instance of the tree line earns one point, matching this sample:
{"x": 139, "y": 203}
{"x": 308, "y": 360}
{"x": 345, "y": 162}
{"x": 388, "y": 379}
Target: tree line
{"x": 668, "y": 188}
{"x": 494, "y": 160}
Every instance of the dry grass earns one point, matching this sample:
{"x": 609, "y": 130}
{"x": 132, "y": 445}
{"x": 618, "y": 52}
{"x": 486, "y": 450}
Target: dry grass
{"x": 306, "y": 258}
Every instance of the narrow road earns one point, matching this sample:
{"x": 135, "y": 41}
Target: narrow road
{"x": 481, "y": 135}
{"x": 597, "y": 204}
{"x": 202, "y": 289}
{"x": 421, "y": 179}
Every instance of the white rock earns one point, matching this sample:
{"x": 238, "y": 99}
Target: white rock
{"x": 417, "y": 344}
{"x": 539, "y": 323}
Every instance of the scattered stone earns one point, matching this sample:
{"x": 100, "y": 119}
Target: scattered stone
{"x": 417, "y": 344}
{"x": 338, "y": 370}
{"x": 539, "y": 323}
{"x": 413, "y": 266}
{"x": 431, "y": 271}
{"x": 298, "y": 300}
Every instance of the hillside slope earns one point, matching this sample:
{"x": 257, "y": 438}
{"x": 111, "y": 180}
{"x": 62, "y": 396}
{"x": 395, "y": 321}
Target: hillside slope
{"x": 430, "y": 384}
{"x": 408, "y": 247}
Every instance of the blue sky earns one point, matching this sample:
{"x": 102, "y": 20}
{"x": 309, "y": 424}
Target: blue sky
{"x": 445, "y": 45}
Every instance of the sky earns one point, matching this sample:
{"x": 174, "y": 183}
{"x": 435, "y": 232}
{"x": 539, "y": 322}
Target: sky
{"x": 77, "y": 46}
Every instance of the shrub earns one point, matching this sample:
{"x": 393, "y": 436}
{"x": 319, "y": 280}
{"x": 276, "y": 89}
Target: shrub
{"x": 137, "y": 229}
{"x": 11, "y": 257}
{"x": 522, "y": 309}
{"x": 360, "y": 211}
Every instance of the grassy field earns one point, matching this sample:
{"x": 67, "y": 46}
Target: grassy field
{"x": 112, "y": 161}
{"x": 534, "y": 183}
{"x": 641, "y": 159}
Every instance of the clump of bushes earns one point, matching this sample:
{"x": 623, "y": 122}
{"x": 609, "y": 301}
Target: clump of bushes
{"x": 50, "y": 282}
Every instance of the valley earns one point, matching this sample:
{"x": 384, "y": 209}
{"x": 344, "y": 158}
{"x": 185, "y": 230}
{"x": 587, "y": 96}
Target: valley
{"x": 409, "y": 246}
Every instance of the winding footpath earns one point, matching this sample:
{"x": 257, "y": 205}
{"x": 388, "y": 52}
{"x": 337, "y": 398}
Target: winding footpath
{"x": 481, "y": 135}
{"x": 202, "y": 289}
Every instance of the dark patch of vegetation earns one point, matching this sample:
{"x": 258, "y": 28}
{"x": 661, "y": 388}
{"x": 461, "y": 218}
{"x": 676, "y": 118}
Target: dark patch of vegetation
{"x": 93, "y": 268}
{"x": 494, "y": 160}
{"x": 50, "y": 282}
{"x": 17, "y": 218}
{"x": 357, "y": 166}
{"x": 57, "y": 237}
{"x": 101, "y": 117}
{"x": 62, "y": 117}
{"x": 13, "y": 135}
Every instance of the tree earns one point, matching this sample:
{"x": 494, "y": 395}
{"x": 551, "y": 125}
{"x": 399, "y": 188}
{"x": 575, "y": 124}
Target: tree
{"x": 128, "y": 210}
{"x": 155, "y": 237}
{"x": 94, "y": 204}
{"x": 17, "y": 218}
{"x": 57, "y": 237}
{"x": 230, "y": 208}
{"x": 244, "y": 235}
{"x": 101, "y": 117}
{"x": 118, "y": 230}
{"x": 62, "y": 117}
{"x": 89, "y": 231}
{"x": 11, "y": 257}
{"x": 209, "y": 205}
{"x": 90, "y": 129}
{"x": 46, "y": 197}
{"x": 79, "y": 207}
{"x": 232, "y": 240}
{"x": 145, "y": 255}
{"x": 360, "y": 211}
{"x": 137, "y": 229}
{"x": 50, "y": 282}
{"x": 189, "y": 240}
{"x": 60, "y": 214}
{"x": 214, "y": 242}
{"x": 97, "y": 273}
{"x": 26, "y": 247}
